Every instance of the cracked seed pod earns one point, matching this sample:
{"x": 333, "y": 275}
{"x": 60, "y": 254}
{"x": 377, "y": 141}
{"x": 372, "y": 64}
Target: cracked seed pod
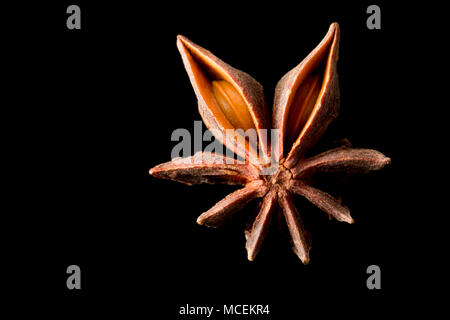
{"x": 307, "y": 99}
{"x": 228, "y": 99}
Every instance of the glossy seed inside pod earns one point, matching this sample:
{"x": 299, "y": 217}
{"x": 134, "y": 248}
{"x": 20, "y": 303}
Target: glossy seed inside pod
{"x": 232, "y": 105}
{"x": 303, "y": 105}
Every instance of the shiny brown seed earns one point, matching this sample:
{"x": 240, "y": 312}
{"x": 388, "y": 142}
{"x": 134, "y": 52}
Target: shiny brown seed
{"x": 303, "y": 105}
{"x": 232, "y": 105}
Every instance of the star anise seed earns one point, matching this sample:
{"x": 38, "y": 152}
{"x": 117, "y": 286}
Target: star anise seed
{"x": 306, "y": 101}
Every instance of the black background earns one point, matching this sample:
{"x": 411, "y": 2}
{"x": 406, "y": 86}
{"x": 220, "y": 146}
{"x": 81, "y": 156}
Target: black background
{"x": 98, "y": 111}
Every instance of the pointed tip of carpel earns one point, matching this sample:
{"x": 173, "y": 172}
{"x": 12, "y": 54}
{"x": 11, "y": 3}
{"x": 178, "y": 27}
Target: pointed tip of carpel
{"x": 251, "y": 253}
{"x": 334, "y": 26}
{"x": 303, "y": 256}
{"x": 200, "y": 221}
{"x": 203, "y": 221}
{"x": 182, "y": 39}
{"x": 154, "y": 171}
{"x": 305, "y": 260}
{"x": 384, "y": 161}
{"x": 347, "y": 219}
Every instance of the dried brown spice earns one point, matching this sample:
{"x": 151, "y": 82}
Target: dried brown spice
{"x": 306, "y": 101}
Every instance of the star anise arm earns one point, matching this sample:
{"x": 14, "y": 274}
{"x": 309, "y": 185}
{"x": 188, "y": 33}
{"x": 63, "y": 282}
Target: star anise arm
{"x": 255, "y": 236}
{"x": 227, "y": 99}
{"x": 222, "y": 211}
{"x": 300, "y": 237}
{"x": 205, "y": 167}
{"x": 307, "y": 100}
{"x": 323, "y": 201}
{"x": 346, "y": 160}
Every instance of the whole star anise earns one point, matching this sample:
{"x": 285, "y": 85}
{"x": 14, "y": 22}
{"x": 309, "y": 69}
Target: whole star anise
{"x": 306, "y": 101}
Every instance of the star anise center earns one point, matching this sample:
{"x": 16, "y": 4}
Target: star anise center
{"x": 280, "y": 180}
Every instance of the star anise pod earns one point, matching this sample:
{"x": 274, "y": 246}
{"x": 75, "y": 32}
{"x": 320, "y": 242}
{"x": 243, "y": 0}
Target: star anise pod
{"x": 306, "y": 100}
